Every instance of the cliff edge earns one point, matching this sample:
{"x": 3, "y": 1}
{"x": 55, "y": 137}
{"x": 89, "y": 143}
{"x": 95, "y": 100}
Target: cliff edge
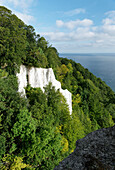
{"x": 96, "y": 151}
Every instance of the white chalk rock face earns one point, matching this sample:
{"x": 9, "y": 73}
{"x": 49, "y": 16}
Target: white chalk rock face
{"x": 40, "y": 77}
{"x": 22, "y": 79}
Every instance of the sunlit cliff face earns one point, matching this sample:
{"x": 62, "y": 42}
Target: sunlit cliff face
{"x": 40, "y": 77}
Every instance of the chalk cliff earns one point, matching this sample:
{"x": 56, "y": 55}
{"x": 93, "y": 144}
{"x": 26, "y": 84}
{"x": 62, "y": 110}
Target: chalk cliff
{"x": 40, "y": 77}
{"x": 22, "y": 79}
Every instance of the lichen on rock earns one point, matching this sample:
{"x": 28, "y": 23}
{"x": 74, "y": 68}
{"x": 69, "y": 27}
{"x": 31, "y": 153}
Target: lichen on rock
{"x": 96, "y": 151}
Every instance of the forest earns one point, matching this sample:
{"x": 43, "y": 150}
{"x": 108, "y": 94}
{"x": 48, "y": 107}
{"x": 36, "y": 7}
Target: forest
{"x": 37, "y": 132}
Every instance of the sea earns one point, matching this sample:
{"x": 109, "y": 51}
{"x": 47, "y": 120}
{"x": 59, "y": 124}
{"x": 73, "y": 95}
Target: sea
{"x": 101, "y": 65}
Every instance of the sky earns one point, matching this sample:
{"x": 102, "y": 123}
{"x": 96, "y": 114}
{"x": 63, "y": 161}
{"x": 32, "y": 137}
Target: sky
{"x": 71, "y": 26}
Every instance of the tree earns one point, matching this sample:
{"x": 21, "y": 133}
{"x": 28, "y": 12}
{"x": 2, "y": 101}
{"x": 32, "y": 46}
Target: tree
{"x": 42, "y": 43}
{"x": 10, "y": 104}
{"x": 49, "y": 112}
{"x": 36, "y": 58}
{"x": 52, "y": 57}
{"x": 12, "y": 40}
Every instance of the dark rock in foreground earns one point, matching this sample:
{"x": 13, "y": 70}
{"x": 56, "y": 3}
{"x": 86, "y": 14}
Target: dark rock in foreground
{"x": 96, "y": 151}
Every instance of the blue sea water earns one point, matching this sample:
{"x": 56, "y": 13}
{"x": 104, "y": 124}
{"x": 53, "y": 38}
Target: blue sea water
{"x": 101, "y": 65}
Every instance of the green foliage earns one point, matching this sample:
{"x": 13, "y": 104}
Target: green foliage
{"x": 39, "y": 130}
{"x": 34, "y": 51}
{"x": 24, "y": 133}
{"x": 89, "y": 97}
{"x": 52, "y": 57}
{"x": 2, "y": 146}
{"x": 10, "y": 104}
{"x": 42, "y": 43}
{"x": 36, "y": 58}
{"x": 73, "y": 129}
{"x": 11, "y": 162}
{"x": 12, "y": 40}
{"x": 48, "y": 110}
{"x": 3, "y": 73}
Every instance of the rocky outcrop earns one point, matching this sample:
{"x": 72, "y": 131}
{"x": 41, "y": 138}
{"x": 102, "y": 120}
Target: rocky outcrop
{"x": 40, "y": 77}
{"x": 96, "y": 151}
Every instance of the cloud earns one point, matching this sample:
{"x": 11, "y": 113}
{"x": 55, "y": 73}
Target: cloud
{"x": 75, "y": 12}
{"x": 74, "y": 23}
{"x": 24, "y": 4}
{"x": 56, "y": 36}
{"x": 27, "y": 19}
{"x": 59, "y": 23}
{"x": 20, "y": 8}
{"x": 110, "y": 14}
{"x": 109, "y": 29}
{"x": 78, "y": 35}
{"x": 109, "y": 23}
{"x": 1, "y": 2}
